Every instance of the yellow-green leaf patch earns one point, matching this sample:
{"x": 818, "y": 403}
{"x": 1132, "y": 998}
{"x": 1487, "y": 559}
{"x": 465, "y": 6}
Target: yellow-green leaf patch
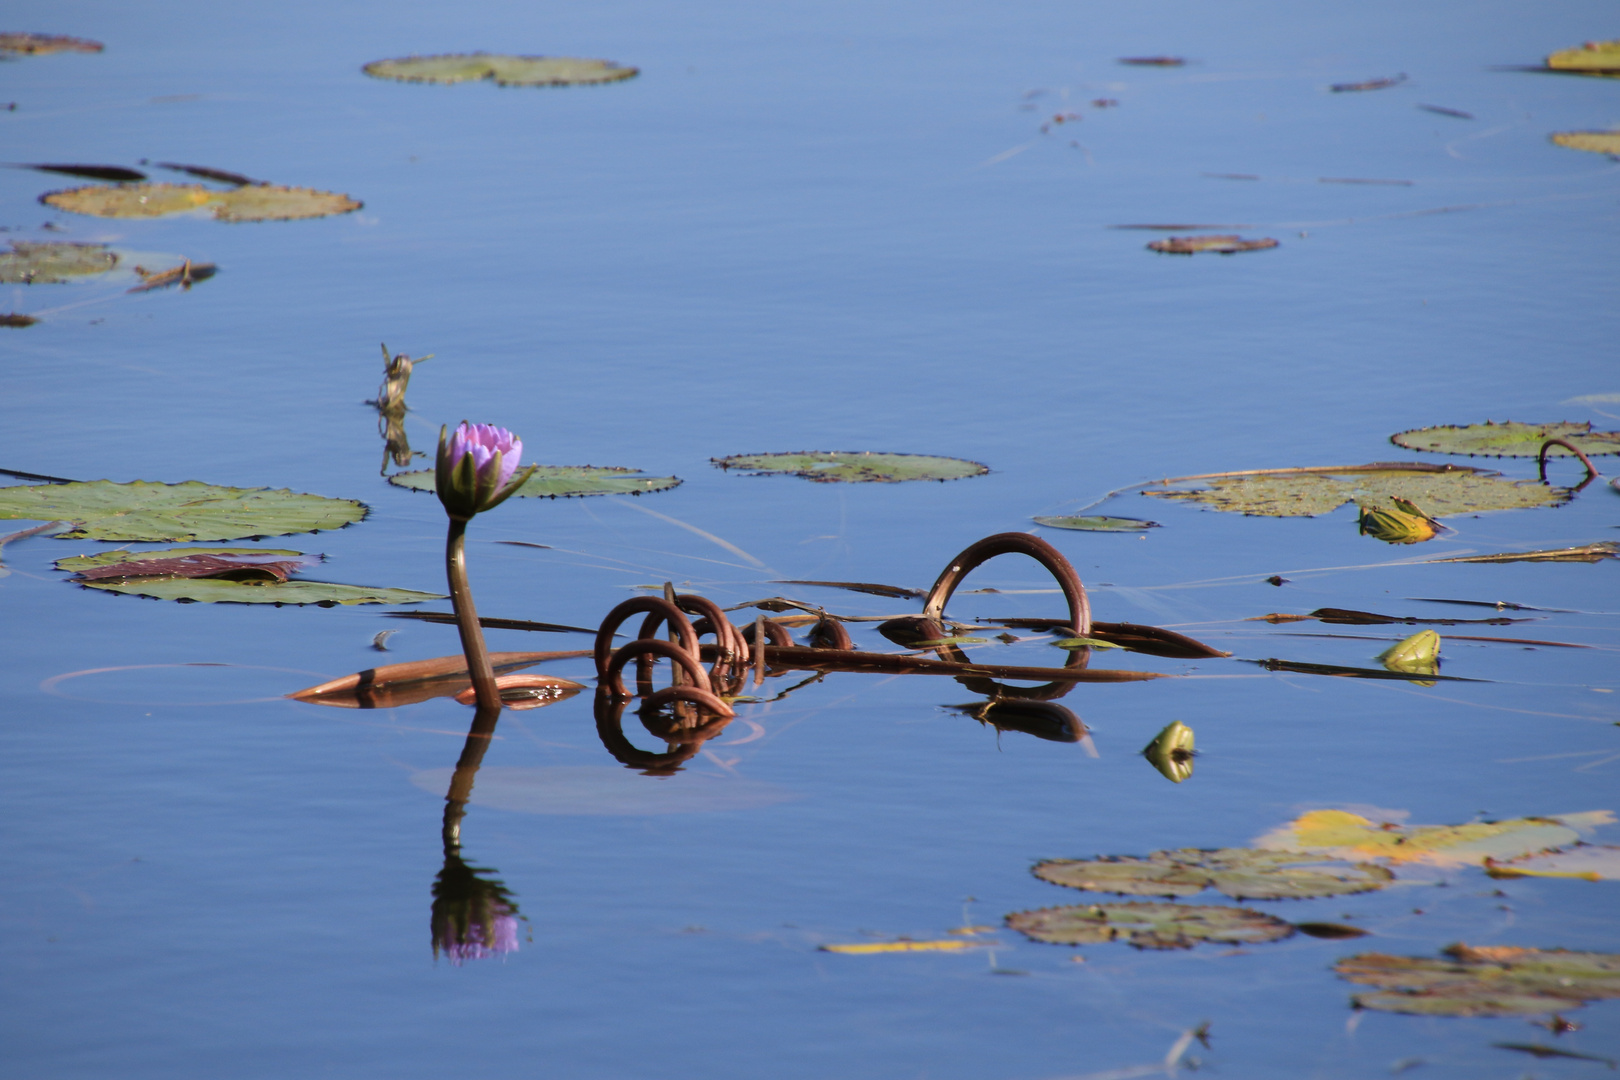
{"x": 153, "y": 512}
{"x": 1149, "y": 925}
{"x": 1509, "y": 438}
{"x": 1594, "y": 142}
{"x": 253, "y": 202}
{"x": 1339, "y": 834}
{"x": 1600, "y": 58}
{"x": 1241, "y": 873}
{"x": 30, "y": 263}
{"x": 1482, "y": 981}
{"x": 1441, "y": 490}
{"x": 563, "y": 481}
{"x": 503, "y": 69}
{"x": 1097, "y": 523}
{"x": 854, "y": 467}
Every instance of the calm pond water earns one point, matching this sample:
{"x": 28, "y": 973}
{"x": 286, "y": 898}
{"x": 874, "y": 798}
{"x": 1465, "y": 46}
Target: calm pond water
{"x": 803, "y": 226}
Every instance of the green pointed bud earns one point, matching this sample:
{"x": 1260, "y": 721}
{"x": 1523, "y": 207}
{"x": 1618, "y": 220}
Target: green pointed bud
{"x": 1417, "y": 655}
{"x": 1171, "y": 752}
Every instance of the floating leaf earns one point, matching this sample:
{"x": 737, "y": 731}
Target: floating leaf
{"x": 1339, "y": 834}
{"x": 1152, "y": 61}
{"x": 1587, "y": 553}
{"x": 1508, "y": 439}
{"x": 1084, "y": 643}
{"x": 1600, "y": 58}
{"x": 144, "y": 511}
{"x": 1148, "y": 925}
{"x": 1369, "y": 84}
{"x": 854, "y": 466}
{"x": 1442, "y": 490}
{"x": 16, "y": 318}
{"x": 40, "y": 44}
{"x": 868, "y": 948}
{"x": 1596, "y": 142}
{"x": 1098, "y": 524}
{"x": 1588, "y": 862}
{"x": 245, "y": 564}
{"x": 1484, "y": 981}
{"x": 52, "y": 263}
{"x": 1220, "y": 245}
{"x": 1171, "y": 751}
{"x": 1241, "y": 873}
{"x": 563, "y": 481}
{"x": 1416, "y": 655}
{"x": 221, "y": 591}
{"x": 255, "y": 202}
{"x": 506, "y": 70}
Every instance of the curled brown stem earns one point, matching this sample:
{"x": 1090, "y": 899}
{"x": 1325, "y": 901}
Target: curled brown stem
{"x": 688, "y": 661}
{"x": 1011, "y": 543}
{"x": 656, "y": 605}
{"x": 1541, "y": 459}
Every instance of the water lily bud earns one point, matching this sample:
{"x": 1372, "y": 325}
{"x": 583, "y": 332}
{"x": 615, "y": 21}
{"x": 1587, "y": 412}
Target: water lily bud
{"x": 1402, "y": 524}
{"x": 1171, "y": 752}
{"x": 475, "y": 468}
{"x": 1417, "y": 655}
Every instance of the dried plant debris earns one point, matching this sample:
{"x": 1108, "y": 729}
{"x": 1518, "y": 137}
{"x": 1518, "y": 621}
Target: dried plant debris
{"x": 564, "y": 481}
{"x": 1241, "y": 873}
{"x": 505, "y": 70}
{"x": 224, "y": 176}
{"x": 1482, "y": 981}
{"x": 1149, "y": 925}
{"x": 894, "y": 591}
{"x": 1509, "y": 438}
{"x": 40, "y": 44}
{"x": 1153, "y": 61}
{"x": 854, "y": 467}
{"x": 1229, "y": 244}
{"x": 17, "y": 319}
{"x": 1441, "y": 110}
{"x": 1587, "y": 553}
{"x": 254, "y": 202}
{"x": 115, "y": 173}
{"x": 154, "y": 512}
{"x": 185, "y": 275}
{"x": 223, "y": 576}
{"x": 1339, "y": 834}
{"x": 1600, "y": 58}
{"x": 1442, "y": 490}
{"x": 1596, "y": 142}
{"x": 1097, "y": 523}
{"x": 30, "y": 263}
{"x": 1369, "y": 84}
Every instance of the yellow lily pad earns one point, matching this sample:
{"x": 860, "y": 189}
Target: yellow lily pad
{"x": 1442, "y": 490}
{"x": 29, "y": 263}
{"x": 1596, "y": 142}
{"x": 1339, "y": 834}
{"x": 255, "y": 202}
{"x": 505, "y": 70}
{"x": 1599, "y": 58}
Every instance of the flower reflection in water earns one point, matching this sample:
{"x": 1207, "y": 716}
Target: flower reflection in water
{"x": 474, "y": 917}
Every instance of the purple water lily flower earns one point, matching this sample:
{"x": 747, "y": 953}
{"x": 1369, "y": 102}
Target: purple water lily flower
{"x": 481, "y": 941}
{"x": 475, "y": 468}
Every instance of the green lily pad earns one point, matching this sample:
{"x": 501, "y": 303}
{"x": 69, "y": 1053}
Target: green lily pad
{"x": 854, "y": 467}
{"x": 1595, "y": 142}
{"x": 1600, "y": 58}
{"x": 53, "y": 263}
{"x": 1149, "y": 925}
{"x": 1098, "y": 524}
{"x": 563, "y": 481}
{"x": 1442, "y": 490}
{"x": 1241, "y": 873}
{"x": 254, "y": 202}
{"x": 1483, "y": 981}
{"x": 144, "y": 511}
{"x": 266, "y": 587}
{"x": 1508, "y": 439}
{"x": 1339, "y": 834}
{"x": 506, "y": 70}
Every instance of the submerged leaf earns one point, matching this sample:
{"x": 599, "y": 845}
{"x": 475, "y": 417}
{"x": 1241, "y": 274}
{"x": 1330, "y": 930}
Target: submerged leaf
{"x": 29, "y": 263}
{"x": 1097, "y": 524}
{"x": 1241, "y": 873}
{"x": 1148, "y": 925}
{"x": 506, "y": 70}
{"x": 1596, "y": 142}
{"x": 1508, "y": 439}
{"x": 1220, "y": 245}
{"x": 144, "y": 511}
{"x": 1339, "y": 834}
{"x": 244, "y": 564}
{"x": 1486, "y": 981}
{"x": 1442, "y": 490}
{"x": 1600, "y": 58}
{"x": 854, "y": 466}
{"x": 563, "y": 481}
{"x": 254, "y": 202}
{"x": 1171, "y": 751}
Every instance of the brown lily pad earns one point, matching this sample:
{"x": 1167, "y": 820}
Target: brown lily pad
{"x": 253, "y": 202}
{"x": 1482, "y": 981}
{"x": 1148, "y": 925}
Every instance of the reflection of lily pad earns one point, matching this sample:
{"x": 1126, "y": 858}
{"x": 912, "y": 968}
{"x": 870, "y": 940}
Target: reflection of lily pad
{"x": 39, "y": 44}
{"x": 51, "y": 263}
{"x": 1097, "y": 524}
{"x": 1148, "y": 925}
{"x": 255, "y": 202}
{"x": 1601, "y": 58}
{"x": 145, "y": 511}
{"x": 1483, "y": 981}
{"x": 1596, "y": 142}
{"x": 1442, "y": 490}
{"x": 1241, "y": 873}
{"x": 854, "y": 466}
{"x": 1508, "y": 439}
{"x": 563, "y": 481}
{"x": 505, "y": 70}
{"x": 1338, "y": 834}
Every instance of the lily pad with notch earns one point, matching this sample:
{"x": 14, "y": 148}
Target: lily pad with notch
{"x": 1482, "y": 980}
{"x": 223, "y": 576}
{"x": 145, "y": 511}
{"x": 1149, "y": 925}
{"x": 854, "y": 467}
{"x": 503, "y": 69}
{"x": 563, "y": 481}
{"x": 1241, "y": 873}
{"x": 1442, "y": 490}
{"x": 1098, "y": 523}
{"x": 252, "y": 202}
{"x": 1509, "y": 438}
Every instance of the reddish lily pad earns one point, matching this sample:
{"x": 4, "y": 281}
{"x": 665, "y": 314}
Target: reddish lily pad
{"x": 1148, "y": 925}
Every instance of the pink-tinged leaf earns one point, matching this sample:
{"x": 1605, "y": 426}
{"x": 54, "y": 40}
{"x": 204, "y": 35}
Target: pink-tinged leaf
{"x": 245, "y": 567}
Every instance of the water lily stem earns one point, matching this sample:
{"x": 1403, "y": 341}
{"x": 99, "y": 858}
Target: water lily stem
{"x": 472, "y": 635}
